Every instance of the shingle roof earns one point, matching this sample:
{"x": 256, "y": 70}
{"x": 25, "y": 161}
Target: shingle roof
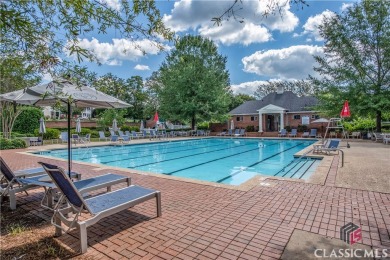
{"x": 287, "y": 100}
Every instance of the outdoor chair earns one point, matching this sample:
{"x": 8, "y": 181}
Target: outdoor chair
{"x": 77, "y": 139}
{"x": 86, "y": 138}
{"x": 223, "y": 133}
{"x": 97, "y": 208}
{"x": 313, "y": 133}
{"x": 386, "y": 138}
{"x": 35, "y": 141}
{"x": 64, "y": 137}
{"x": 154, "y": 134}
{"x": 331, "y": 145}
{"x": 355, "y": 135}
{"x": 24, "y": 180}
{"x": 134, "y": 135}
{"x": 293, "y": 133}
{"x": 378, "y": 137}
{"x": 123, "y": 137}
{"x": 230, "y": 132}
{"x": 305, "y": 134}
{"x": 283, "y": 133}
{"x": 102, "y": 136}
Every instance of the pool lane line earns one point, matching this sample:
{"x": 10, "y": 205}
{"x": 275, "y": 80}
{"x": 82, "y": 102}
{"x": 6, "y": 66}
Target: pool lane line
{"x": 224, "y": 157}
{"x": 133, "y": 167}
{"x": 300, "y": 177}
{"x": 113, "y": 154}
{"x": 267, "y": 158}
{"x": 183, "y": 150}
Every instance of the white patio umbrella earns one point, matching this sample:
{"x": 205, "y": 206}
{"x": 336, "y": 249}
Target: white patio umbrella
{"x": 42, "y": 127}
{"x": 232, "y": 125}
{"x": 142, "y": 125}
{"x": 322, "y": 121}
{"x": 67, "y": 93}
{"x": 114, "y": 125}
{"x": 78, "y": 125}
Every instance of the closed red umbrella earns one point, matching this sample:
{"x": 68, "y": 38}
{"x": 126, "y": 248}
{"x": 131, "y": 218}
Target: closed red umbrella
{"x": 155, "y": 119}
{"x": 345, "y": 112}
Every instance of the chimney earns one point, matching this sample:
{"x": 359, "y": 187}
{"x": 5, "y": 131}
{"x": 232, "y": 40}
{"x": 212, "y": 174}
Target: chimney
{"x": 280, "y": 89}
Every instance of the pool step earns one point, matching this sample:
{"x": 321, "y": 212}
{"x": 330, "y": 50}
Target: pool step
{"x": 299, "y": 168}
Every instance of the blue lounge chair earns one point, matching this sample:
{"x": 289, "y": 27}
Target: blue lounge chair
{"x": 242, "y": 132}
{"x": 123, "y": 137}
{"x": 134, "y": 135}
{"x": 102, "y": 136}
{"x": 283, "y": 133}
{"x": 293, "y": 133}
{"x": 98, "y": 207}
{"x": 32, "y": 178}
{"x": 329, "y": 146}
{"x": 305, "y": 134}
{"x": 313, "y": 133}
{"x": 64, "y": 137}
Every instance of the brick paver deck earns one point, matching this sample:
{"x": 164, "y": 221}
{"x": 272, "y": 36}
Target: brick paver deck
{"x": 206, "y": 222}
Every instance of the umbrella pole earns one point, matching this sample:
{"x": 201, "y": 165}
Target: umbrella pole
{"x": 69, "y": 144}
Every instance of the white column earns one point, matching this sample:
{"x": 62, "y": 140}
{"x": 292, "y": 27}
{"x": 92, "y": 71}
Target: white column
{"x": 281, "y": 121}
{"x": 260, "y": 122}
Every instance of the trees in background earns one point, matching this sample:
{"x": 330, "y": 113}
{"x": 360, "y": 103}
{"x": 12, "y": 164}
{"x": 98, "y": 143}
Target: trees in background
{"x": 356, "y": 61}
{"x": 298, "y": 87}
{"x": 239, "y": 99}
{"x": 14, "y": 76}
{"x": 194, "y": 81}
{"x": 130, "y": 90}
{"x": 31, "y": 27}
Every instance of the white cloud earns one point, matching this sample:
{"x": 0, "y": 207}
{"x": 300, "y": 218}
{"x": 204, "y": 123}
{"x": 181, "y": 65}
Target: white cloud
{"x": 345, "y": 6}
{"x": 295, "y": 62}
{"x": 196, "y": 15}
{"x": 47, "y": 77}
{"x": 114, "y": 4}
{"x": 312, "y": 23}
{"x": 246, "y": 87}
{"x": 141, "y": 67}
{"x": 228, "y": 34}
{"x": 120, "y": 49}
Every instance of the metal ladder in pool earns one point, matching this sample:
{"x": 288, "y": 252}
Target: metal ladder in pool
{"x": 298, "y": 168}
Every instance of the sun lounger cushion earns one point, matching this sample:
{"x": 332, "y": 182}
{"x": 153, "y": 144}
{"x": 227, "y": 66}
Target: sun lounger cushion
{"x": 113, "y": 199}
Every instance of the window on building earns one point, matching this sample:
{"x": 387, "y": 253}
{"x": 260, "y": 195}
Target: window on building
{"x": 297, "y": 117}
{"x": 239, "y": 118}
{"x": 315, "y": 116}
{"x": 253, "y": 118}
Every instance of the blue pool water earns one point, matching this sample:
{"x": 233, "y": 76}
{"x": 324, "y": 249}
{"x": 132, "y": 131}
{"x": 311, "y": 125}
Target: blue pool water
{"x": 221, "y": 160}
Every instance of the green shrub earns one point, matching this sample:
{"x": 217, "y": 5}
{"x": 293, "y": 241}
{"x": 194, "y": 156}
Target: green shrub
{"x": 302, "y": 128}
{"x": 51, "y": 133}
{"x": 250, "y": 128}
{"x": 6, "y": 144}
{"x": 84, "y": 131}
{"x": 126, "y": 128}
{"x": 288, "y": 128}
{"x": 134, "y": 128}
{"x": 203, "y": 126}
{"x": 359, "y": 124}
{"x": 94, "y": 134}
{"x": 28, "y": 120}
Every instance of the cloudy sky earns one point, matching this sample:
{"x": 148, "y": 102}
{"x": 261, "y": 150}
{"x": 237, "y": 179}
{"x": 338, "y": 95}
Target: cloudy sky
{"x": 272, "y": 48}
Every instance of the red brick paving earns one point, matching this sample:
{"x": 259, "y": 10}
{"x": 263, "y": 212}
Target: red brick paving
{"x": 206, "y": 222}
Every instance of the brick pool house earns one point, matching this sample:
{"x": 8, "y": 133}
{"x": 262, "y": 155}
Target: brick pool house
{"x": 275, "y": 111}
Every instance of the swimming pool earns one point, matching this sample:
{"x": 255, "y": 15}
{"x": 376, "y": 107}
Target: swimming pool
{"x": 221, "y": 160}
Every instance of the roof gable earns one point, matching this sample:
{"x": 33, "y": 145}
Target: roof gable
{"x": 287, "y": 100}
{"x": 271, "y": 108}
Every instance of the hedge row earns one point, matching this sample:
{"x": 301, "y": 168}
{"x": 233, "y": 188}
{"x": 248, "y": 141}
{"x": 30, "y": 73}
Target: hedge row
{"x": 6, "y": 144}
